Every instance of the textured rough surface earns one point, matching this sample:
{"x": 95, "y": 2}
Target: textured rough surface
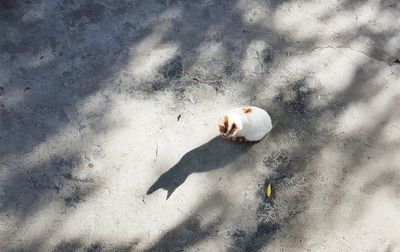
{"x": 108, "y": 128}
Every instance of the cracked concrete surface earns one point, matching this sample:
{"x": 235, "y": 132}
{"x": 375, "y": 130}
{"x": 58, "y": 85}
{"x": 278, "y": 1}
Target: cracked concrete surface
{"x": 108, "y": 135}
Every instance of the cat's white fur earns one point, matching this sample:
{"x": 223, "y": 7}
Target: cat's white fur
{"x": 250, "y": 123}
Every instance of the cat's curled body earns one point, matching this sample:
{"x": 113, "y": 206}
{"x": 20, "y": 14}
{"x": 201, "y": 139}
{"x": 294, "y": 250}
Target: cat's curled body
{"x": 247, "y": 124}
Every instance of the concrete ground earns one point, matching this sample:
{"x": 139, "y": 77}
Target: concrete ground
{"x": 108, "y": 133}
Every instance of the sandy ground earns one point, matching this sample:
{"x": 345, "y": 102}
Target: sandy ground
{"x": 108, "y": 134}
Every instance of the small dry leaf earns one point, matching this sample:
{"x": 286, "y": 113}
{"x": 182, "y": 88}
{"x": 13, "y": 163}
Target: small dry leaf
{"x": 268, "y": 191}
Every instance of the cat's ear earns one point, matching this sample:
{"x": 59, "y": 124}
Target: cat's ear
{"x": 226, "y": 124}
{"x": 233, "y": 130}
{"x": 223, "y": 126}
{"x": 222, "y": 129}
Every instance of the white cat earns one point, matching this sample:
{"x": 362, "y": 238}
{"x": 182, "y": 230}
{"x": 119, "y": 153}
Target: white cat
{"x": 248, "y": 124}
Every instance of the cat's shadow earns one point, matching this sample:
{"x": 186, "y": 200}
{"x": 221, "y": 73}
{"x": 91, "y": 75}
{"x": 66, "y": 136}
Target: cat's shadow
{"x": 215, "y": 154}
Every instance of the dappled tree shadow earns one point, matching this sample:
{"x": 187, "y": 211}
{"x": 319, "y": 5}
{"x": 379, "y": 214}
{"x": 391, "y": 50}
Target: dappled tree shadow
{"x": 55, "y": 61}
{"x": 194, "y": 229}
{"x": 76, "y": 245}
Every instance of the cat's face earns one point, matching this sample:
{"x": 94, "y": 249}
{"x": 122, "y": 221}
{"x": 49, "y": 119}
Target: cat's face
{"x": 228, "y": 127}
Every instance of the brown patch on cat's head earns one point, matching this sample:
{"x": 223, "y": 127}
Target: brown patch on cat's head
{"x": 247, "y": 110}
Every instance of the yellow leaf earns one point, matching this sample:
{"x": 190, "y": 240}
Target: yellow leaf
{"x": 268, "y": 191}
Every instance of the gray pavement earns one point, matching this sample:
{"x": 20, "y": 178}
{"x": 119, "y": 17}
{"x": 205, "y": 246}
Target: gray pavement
{"x": 109, "y": 137}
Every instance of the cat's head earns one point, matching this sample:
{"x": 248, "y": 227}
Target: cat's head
{"x": 229, "y": 126}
